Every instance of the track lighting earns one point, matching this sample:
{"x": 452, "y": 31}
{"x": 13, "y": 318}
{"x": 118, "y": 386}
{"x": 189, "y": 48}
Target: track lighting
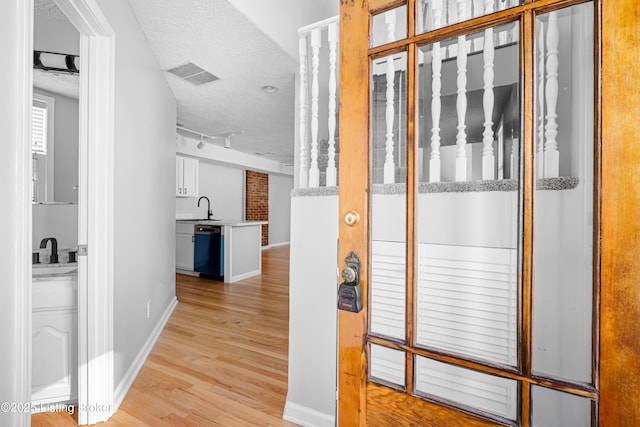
{"x": 201, "y": 144}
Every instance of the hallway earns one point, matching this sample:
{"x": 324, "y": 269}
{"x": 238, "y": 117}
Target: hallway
{"x": 221, "y": 359}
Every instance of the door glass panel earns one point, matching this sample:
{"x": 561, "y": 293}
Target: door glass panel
{"x": 389, "y": 26}
{"x": 467, "y": 218}
{"x": 466, "y": 387}
{"x": 563, "y": 199}
{"x": 387, "y": 365}
{"x": 551, "y": 408}
{"x": 388, "y": 201}
{"x": 433, "y": 14}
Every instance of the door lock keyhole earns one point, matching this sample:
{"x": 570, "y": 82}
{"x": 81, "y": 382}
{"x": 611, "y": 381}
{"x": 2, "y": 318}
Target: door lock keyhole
{"x": 350, "y": 291}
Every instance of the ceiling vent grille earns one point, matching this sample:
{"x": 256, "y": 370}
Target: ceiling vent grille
{"x": 193, "y": 74}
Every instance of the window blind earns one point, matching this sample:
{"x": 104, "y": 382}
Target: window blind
{"x": 39, "y": 126}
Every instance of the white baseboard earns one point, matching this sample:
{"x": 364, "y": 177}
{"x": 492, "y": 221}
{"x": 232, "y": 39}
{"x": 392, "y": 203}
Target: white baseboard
{"x": 274, "y": 245}
{"x": 307, "y": 417}
{"x": 125, "y": 384}
{"x": 246, "y": 275}
{"x": 187, "y": 272}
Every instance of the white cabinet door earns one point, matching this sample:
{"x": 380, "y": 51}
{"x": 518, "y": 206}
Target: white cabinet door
{"x": 187, "y": 177}
{"x": 55, "y": 360}
{"x": 190, "y": 177}
{"x": 184, "y": 251}
{"x": 179, "y": 174}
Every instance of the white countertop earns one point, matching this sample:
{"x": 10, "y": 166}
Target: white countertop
{"x": 57, "y": 271}
{"x": 221, "y": 222}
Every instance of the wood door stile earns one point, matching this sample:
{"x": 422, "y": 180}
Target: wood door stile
{"x": 354, "y": 135}
{"x": 528, "y": 165}
{"x": 620, "y": 270}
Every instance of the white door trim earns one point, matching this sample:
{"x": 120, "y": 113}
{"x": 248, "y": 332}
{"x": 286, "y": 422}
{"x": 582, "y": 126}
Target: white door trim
{"x": 16, "y": 81}
{"x": 95, "y": 210}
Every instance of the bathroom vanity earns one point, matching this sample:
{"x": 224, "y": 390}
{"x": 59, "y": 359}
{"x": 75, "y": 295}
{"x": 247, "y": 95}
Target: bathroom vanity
{"x": 54, "y": 334}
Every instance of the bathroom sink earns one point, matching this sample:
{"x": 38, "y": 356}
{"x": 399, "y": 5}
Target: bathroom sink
{"x": 48, "y": 270}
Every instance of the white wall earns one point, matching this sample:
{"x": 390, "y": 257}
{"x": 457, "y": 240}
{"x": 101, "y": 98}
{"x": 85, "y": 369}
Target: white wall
{"x": 144, "y": 188}
{"x": 311, "y": 397}
{"x": 55, "y": 35}
{"x": 224, "y": 186}
{"x": 280, "y": 187}
{"x": 59, "y": 221}
{"x": 268, "y": 16}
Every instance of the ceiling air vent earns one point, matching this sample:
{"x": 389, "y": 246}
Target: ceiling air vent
{"x": 193, "y": 74}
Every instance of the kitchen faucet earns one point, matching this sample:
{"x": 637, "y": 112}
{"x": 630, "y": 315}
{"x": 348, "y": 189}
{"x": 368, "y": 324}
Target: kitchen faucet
{"x": 53, "y": 259}
{"x": 209, "y": 213}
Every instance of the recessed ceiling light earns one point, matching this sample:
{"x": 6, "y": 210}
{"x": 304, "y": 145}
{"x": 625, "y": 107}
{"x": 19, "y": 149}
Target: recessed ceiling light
{"x": 269, "y": 89}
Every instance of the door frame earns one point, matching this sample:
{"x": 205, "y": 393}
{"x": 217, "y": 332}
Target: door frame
{"x": 619, "y": 183}
{"x": 95, "y": 210}
{"x": 95, "y": 207}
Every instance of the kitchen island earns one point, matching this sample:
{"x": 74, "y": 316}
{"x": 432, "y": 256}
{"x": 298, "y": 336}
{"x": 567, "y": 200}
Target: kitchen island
{"x": 239, "y": 255}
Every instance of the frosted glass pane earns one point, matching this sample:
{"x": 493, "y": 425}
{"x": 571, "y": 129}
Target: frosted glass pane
{"x": 388, "y": 289}
{"x": 563, "y": 200}
{"x": 467, "y": 301}
{"x": 487, "y": 393}
{"x": 387, "y": 365}
{"x": 551, "y": 408}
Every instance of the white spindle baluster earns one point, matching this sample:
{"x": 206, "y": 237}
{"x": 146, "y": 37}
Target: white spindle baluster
{"x": 478, "y": 8}
{"x": 389, "y": 165}
{"x": 551, "y": 155}
{"x": 303, "y": 171}
{"x": 540, "y": 144}
{"x": 425, "y": 7}
{"x": 488, "y": 158}
{"x": 502, "y": 35}
{"x": 461, "y": 102}
{"x": 314, "y": 175}
{"x": 436, "y": 102}
{"x": 333, "y": 42}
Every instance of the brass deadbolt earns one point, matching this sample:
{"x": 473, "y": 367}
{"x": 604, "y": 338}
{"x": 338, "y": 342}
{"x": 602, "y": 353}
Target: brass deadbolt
{"x": 352, "y": 218}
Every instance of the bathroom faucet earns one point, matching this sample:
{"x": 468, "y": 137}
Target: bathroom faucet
{"x": 209, "y": 213}
{"x": 53, "y": 259}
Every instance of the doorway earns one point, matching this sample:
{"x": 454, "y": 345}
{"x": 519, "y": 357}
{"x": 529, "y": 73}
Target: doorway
{"x": 95, "y": 205}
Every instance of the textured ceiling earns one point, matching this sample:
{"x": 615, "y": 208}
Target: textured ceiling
{"x": 49, "y": 9}
{"x": 215, "y": 36}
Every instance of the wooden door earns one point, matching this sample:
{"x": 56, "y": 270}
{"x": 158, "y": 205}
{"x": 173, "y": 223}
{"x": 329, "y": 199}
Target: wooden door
{"x": 489, "y": 218}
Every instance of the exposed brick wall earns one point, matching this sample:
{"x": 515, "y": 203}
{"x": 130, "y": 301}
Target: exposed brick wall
{"x": 257, "y": 201}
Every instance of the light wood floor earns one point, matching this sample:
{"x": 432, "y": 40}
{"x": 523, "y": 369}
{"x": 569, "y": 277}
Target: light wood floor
{"x": 221, "y": 359}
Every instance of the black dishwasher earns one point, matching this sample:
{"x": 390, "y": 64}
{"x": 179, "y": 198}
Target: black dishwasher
{"x": 208, "y": 254}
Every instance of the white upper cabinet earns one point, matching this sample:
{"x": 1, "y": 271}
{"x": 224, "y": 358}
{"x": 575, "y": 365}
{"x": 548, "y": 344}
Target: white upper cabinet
{"x": 186, "y": 177}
